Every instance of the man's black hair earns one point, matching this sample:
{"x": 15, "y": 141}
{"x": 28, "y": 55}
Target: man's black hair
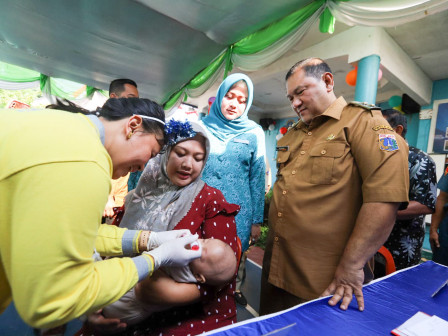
{"x": 313, "y": 67}
{"x": 117, "y": 85}
{"x": 395, "y": 118}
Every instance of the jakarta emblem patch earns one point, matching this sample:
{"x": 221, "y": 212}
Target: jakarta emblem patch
{"x": 388, "y": 142}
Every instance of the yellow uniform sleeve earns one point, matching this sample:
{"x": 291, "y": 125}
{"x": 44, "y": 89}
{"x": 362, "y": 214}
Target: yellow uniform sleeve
{"x": 115, "y": 241}
{"x": 50, "y": 223}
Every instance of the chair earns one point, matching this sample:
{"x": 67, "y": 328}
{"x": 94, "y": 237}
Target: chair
{"x": 239, "y": 251}
{"x": 390, "y": 263}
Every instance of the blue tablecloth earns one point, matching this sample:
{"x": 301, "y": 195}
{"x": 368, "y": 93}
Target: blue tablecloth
{"x": 388, "y": 303}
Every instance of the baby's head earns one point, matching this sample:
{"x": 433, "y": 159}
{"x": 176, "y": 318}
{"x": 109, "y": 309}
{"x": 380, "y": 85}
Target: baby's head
{"x": 217, "y": 265}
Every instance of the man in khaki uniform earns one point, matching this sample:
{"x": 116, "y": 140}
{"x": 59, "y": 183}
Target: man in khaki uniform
{"x": 342, "y": 174}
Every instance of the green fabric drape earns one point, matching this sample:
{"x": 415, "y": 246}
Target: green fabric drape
{"x": 270, "y": 34}
{"x": 327, "y": 21}
{"x": 199, "y": 79}
{"x": 205, "y": 74}
{"x": 90, "y": 90}
{"x": 173, "y": 99}
{"x": 44, "y": 81}
{"x": 229, "y": 64}
{"x": 249, "y": 45}
{"x": 55, "y": 86}
{"x": 67, "y": 89}
{"x": 14, "y": 73}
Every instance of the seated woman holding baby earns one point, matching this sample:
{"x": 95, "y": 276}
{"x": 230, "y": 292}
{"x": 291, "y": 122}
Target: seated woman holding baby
{"x": 171, "y": 195}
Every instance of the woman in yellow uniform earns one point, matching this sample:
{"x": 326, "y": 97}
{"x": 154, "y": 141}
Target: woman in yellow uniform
{"x": 55, "y": 175}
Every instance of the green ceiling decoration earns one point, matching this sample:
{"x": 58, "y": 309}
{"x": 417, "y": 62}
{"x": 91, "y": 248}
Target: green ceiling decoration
{"x": 252, "y": 44}
{"x": 13, "y": 73}
{"x": 327, "y": 21}
{"x": 265, "y": 37}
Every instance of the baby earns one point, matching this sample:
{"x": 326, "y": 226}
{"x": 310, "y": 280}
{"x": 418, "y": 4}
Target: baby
{"x": 216, "y": 267}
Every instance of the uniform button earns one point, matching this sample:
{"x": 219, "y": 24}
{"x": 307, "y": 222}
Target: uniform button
{"x": 323, "y": 152}
{"x": 293, "y": 172}
{"x": 276, "y": 239}
{"x": 279, "y": 214}
{"x": 309, "y": 133}
{"x": 302, "y": 152}
{"x": 284, "y": 192}
{"x": 278, "y": 160}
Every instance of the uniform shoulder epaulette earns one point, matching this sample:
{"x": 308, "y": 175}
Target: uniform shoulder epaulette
{"x": 365, "y": 105}
{"x": 293, "y": 126}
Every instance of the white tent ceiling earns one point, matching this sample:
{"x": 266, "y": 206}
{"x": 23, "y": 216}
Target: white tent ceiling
{"x": 162, "y": 44}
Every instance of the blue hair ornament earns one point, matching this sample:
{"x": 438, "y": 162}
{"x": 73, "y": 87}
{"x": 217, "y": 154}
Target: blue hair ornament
{"x": 176, "y": 131}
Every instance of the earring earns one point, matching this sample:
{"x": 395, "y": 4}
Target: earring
{"x": 129, "y": 135}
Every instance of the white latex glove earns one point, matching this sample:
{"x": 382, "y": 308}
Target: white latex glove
{"x": 158, "y": 238}
{"x": 174, "y": 253}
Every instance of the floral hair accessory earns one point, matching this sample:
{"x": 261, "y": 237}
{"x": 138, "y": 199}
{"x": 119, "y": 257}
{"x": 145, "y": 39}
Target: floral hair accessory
{"x": 176, "y": 131}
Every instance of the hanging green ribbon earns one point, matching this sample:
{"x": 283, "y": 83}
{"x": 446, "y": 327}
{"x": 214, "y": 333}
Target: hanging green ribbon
{"x": 90, "y": 90}
{"x": 327, "y": 20}
{"x": 44, "y": 80}
{"x": 229, "y": 64}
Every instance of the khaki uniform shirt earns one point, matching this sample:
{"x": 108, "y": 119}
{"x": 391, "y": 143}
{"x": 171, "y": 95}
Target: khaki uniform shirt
{"x": 347, "y": 156}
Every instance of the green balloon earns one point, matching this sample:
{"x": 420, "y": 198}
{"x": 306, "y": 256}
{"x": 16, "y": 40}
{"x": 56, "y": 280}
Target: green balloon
{"x": 394, "y": 101}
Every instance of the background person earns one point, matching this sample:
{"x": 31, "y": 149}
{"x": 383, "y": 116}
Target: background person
{"x": 438, "y": 234}
{"x": 54, "y": 183}
{"x": 406, "y": 239}
{"x": 237, "y": 160}
{"x": 342, "y": 173}
{"x": 120, "y": 88}
{"x": 123, "y": 88}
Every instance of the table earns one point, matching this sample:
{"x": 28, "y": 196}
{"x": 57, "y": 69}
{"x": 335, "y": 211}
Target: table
{"x": 389, "y": 302}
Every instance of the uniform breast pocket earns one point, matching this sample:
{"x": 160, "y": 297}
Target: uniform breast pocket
{"x": 282, "y": 159}
{"x": 327, "y": 164}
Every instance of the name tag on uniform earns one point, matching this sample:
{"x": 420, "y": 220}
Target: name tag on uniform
{"x": 282, "y": 148}
{"x": 241, "y": 141}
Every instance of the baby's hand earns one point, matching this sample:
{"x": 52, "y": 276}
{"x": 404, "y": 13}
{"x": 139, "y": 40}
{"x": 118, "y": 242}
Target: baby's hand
{"x": 107, "y": 326}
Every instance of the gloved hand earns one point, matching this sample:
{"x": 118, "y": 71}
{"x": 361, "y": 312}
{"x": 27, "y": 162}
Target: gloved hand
{"x": 174, "y": 253}
{"x": 158, "y": 238}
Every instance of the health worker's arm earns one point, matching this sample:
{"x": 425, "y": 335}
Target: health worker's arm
{"x": 57, "y": 209}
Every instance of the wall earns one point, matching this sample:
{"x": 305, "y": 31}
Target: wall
{"x": 419, "y": 129}
{"x": 421, "y": 134}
